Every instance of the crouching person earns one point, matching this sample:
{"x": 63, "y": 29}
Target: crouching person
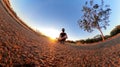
{"x": 63, "y": 36}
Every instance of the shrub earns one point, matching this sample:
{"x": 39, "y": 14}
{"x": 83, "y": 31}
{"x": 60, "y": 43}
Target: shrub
{"x": 115, "y": 31}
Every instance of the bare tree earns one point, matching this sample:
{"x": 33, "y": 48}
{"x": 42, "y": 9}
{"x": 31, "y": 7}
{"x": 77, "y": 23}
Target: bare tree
{"x": 95, "y": 16}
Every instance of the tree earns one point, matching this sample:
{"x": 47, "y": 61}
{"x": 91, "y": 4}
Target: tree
{"x": 115, "y": 31}
{"x": 95, "y": 16}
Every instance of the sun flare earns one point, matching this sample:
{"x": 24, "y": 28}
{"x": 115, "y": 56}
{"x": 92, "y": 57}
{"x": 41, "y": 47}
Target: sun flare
{"x": 50, "y": 32}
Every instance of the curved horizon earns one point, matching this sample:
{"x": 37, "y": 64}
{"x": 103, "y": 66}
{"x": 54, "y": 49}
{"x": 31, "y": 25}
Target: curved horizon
{"x": 52, "y": 18}
{"x": 22, "y": 47}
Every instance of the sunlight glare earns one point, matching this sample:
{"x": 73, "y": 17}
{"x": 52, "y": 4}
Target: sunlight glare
{"x": 50, "y": 32}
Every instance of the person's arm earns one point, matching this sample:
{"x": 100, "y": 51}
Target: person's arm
{"x": 60, "y": 37}
{"x": 65, "y": 36}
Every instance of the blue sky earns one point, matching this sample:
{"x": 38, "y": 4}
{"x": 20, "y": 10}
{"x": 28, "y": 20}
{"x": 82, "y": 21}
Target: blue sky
{"x": 49, "y": 16}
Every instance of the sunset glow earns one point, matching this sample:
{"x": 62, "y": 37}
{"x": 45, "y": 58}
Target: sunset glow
{"x": 50, "y": 32}
{"x": 49, "y": 16}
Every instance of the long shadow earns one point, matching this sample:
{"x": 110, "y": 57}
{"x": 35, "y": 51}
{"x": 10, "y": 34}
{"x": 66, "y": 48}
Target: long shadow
{"x": 24, "y": 65}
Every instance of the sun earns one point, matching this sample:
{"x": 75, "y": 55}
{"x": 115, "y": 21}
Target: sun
{"x": 50, "y": 32}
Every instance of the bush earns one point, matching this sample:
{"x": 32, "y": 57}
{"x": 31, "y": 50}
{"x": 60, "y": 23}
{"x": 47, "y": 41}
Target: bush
{"x": 80, "y": 41}
{"x": 115, "y": 31}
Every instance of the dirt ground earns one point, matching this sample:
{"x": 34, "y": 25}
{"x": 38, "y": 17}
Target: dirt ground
{"x": 21, "y": 47}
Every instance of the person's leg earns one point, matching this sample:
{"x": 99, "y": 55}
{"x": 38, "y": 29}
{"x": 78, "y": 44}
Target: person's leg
{"x": 63, "y": 41}
{"x": 59, "y": 40}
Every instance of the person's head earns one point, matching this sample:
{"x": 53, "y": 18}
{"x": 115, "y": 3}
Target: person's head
{"x": 63, "y": 30}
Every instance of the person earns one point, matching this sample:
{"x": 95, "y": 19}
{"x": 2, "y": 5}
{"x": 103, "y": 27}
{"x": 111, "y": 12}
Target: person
{"x": 63, "y": 36}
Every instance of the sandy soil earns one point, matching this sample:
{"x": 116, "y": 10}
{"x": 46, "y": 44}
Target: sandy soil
{"x": 20, "y": 47}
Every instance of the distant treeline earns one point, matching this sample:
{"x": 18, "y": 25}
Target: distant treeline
{"x": 97, "y": 38}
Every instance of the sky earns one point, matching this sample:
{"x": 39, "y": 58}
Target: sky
{"x": 49, "y": 16}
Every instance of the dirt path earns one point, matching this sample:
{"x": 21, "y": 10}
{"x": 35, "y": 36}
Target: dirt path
{"x": 20, "y": 47}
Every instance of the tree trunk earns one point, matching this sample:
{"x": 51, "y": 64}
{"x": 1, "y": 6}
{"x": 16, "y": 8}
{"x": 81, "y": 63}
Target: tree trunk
{"x": 101, "y": 34}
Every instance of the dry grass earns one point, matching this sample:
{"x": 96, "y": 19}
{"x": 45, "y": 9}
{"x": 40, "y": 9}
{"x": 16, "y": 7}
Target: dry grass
{"x": 20, "y": 47}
